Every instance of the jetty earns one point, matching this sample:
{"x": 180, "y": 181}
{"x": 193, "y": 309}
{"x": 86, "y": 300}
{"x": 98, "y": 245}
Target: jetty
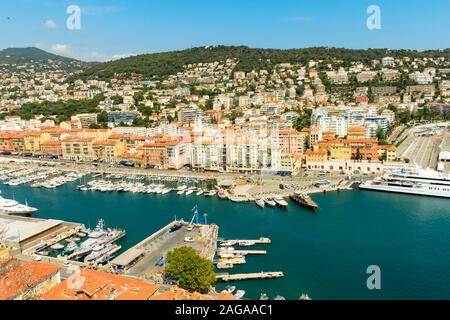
{"x": 249, "y": 252}
{"x": 249, "y": 276}
{"x": 261, "y": 240}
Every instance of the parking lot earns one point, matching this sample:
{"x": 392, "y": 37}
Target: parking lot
{"x": 424, "y": 150}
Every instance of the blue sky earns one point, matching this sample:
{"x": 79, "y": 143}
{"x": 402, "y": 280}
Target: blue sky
{"x": 115, "y": 28}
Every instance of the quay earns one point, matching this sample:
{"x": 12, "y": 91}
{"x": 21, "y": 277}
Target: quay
{"x": 249, "y": 276}
{"x": 261, "y": 240}
{"x": 250, "y": 252}
{"x": 144, "y": 259}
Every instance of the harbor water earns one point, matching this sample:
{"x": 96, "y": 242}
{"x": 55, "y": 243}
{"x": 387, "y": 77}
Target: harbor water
{"x": 324, "y": 254}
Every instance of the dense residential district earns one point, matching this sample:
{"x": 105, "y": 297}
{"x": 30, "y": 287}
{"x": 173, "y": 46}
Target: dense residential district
{"x": 234, "y": 116}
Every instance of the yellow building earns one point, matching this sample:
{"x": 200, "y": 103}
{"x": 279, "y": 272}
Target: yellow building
{"x": 78, "y": 149}
{"x": 316, "y": 155}
{"x": 32, "y": 142}
{"x": 108, "y": 150}
{"x": 100, "y": 134}
{"x": 340, "y": 151}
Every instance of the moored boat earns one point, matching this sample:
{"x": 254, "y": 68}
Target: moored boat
{"x": 280, "y": 202}
{"x": 304, "y": 200}
{"x": 260, "y": 202}
{"x": 270, "y": 202}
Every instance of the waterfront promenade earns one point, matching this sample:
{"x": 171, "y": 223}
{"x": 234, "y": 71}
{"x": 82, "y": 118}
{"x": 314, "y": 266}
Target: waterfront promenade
{"x": 259, "y": 185}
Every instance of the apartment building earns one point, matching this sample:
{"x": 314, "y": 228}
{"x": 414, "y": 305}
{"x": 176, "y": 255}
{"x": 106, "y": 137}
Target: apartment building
{"x": 78, "y": 149}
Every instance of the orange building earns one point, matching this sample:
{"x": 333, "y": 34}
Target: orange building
{"x": 51, "y": 148}
{"x": 155, "y": 155}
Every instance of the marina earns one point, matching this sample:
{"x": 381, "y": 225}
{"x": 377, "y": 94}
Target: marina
{"x": 302, "y": 246}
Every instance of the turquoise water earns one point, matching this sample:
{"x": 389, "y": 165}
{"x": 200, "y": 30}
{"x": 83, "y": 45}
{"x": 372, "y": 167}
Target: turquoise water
{"x": 324, "y": 254}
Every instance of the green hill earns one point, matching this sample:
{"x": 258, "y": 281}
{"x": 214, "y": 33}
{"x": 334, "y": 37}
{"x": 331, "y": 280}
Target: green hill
{"x": 161, "y": 65}
{"x": 12, "y": 56}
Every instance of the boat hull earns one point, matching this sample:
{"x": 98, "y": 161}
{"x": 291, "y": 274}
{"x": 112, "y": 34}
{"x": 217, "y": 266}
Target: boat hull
{"x": 409, "y": 191}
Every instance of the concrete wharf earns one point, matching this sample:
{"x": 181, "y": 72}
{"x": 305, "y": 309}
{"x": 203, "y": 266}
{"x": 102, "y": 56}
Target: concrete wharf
{"x": 249, "y": 276}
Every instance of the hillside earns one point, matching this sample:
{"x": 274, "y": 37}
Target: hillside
{"x": 160, "y": 65}
{"x": 41, "y": 59}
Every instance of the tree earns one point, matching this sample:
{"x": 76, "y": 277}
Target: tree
{"x": 304, "y": 121}
{"x": 192, "y": 271}
{"x": 102, "y": 117}
{"x": 117, "y": 99}
{"x": 138, "y": 97}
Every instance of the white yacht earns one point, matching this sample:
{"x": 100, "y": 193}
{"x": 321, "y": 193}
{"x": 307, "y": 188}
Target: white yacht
{"x": 414, "y": 181}
{"x": 15, "y": 208}
{"x": 280, "y": 202}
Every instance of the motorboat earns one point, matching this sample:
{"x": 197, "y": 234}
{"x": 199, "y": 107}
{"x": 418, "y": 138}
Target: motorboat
{"x": 260, "y": 202}
{"x": 71, "y": 247}
{"x": 230, "y": 289}
{"x": 57, "y": 246}
{"x": 239, "y": 294}
{"x": 270, "y": 202}
{"x": 304, "y": 297}
{"x": 280, "y": 202}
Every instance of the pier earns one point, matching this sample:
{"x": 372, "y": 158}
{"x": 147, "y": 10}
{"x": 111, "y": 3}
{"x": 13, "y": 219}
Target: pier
{"x": 249, "y": 276}
{"x": 142, "y": 259}
{"x": 261, "y": 240}
{"x": 249, "y": 252}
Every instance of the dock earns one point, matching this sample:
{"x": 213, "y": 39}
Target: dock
{"x": 249, "y": 276}
{"x": 142, "y": 259}
{"x": 249, "y": 252}
{"x": 261, "y": 240}
{"x": 243, "y": 252}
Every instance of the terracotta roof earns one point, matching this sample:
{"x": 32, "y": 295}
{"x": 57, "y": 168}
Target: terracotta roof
{"x": 51, "y": 143}
{"x": 103, "y": 286}
{"x": 105, "y": 142}
{"x": 24, "y": 276}
{"x": 356, "y": 129}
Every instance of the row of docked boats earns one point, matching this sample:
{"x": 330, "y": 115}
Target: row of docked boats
{"x": 49, "y": 179}
{"x": 141, "y": 187}
{"x": 277, "y": 201}
{"x": 119, "y": 176}
{"x": 98, "y": 245}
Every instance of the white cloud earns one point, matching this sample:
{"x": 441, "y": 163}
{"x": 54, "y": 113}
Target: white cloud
{"x": 50, "y": 24}
{"x": 62, "y": 49}
{"x": 122, "y": 55}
